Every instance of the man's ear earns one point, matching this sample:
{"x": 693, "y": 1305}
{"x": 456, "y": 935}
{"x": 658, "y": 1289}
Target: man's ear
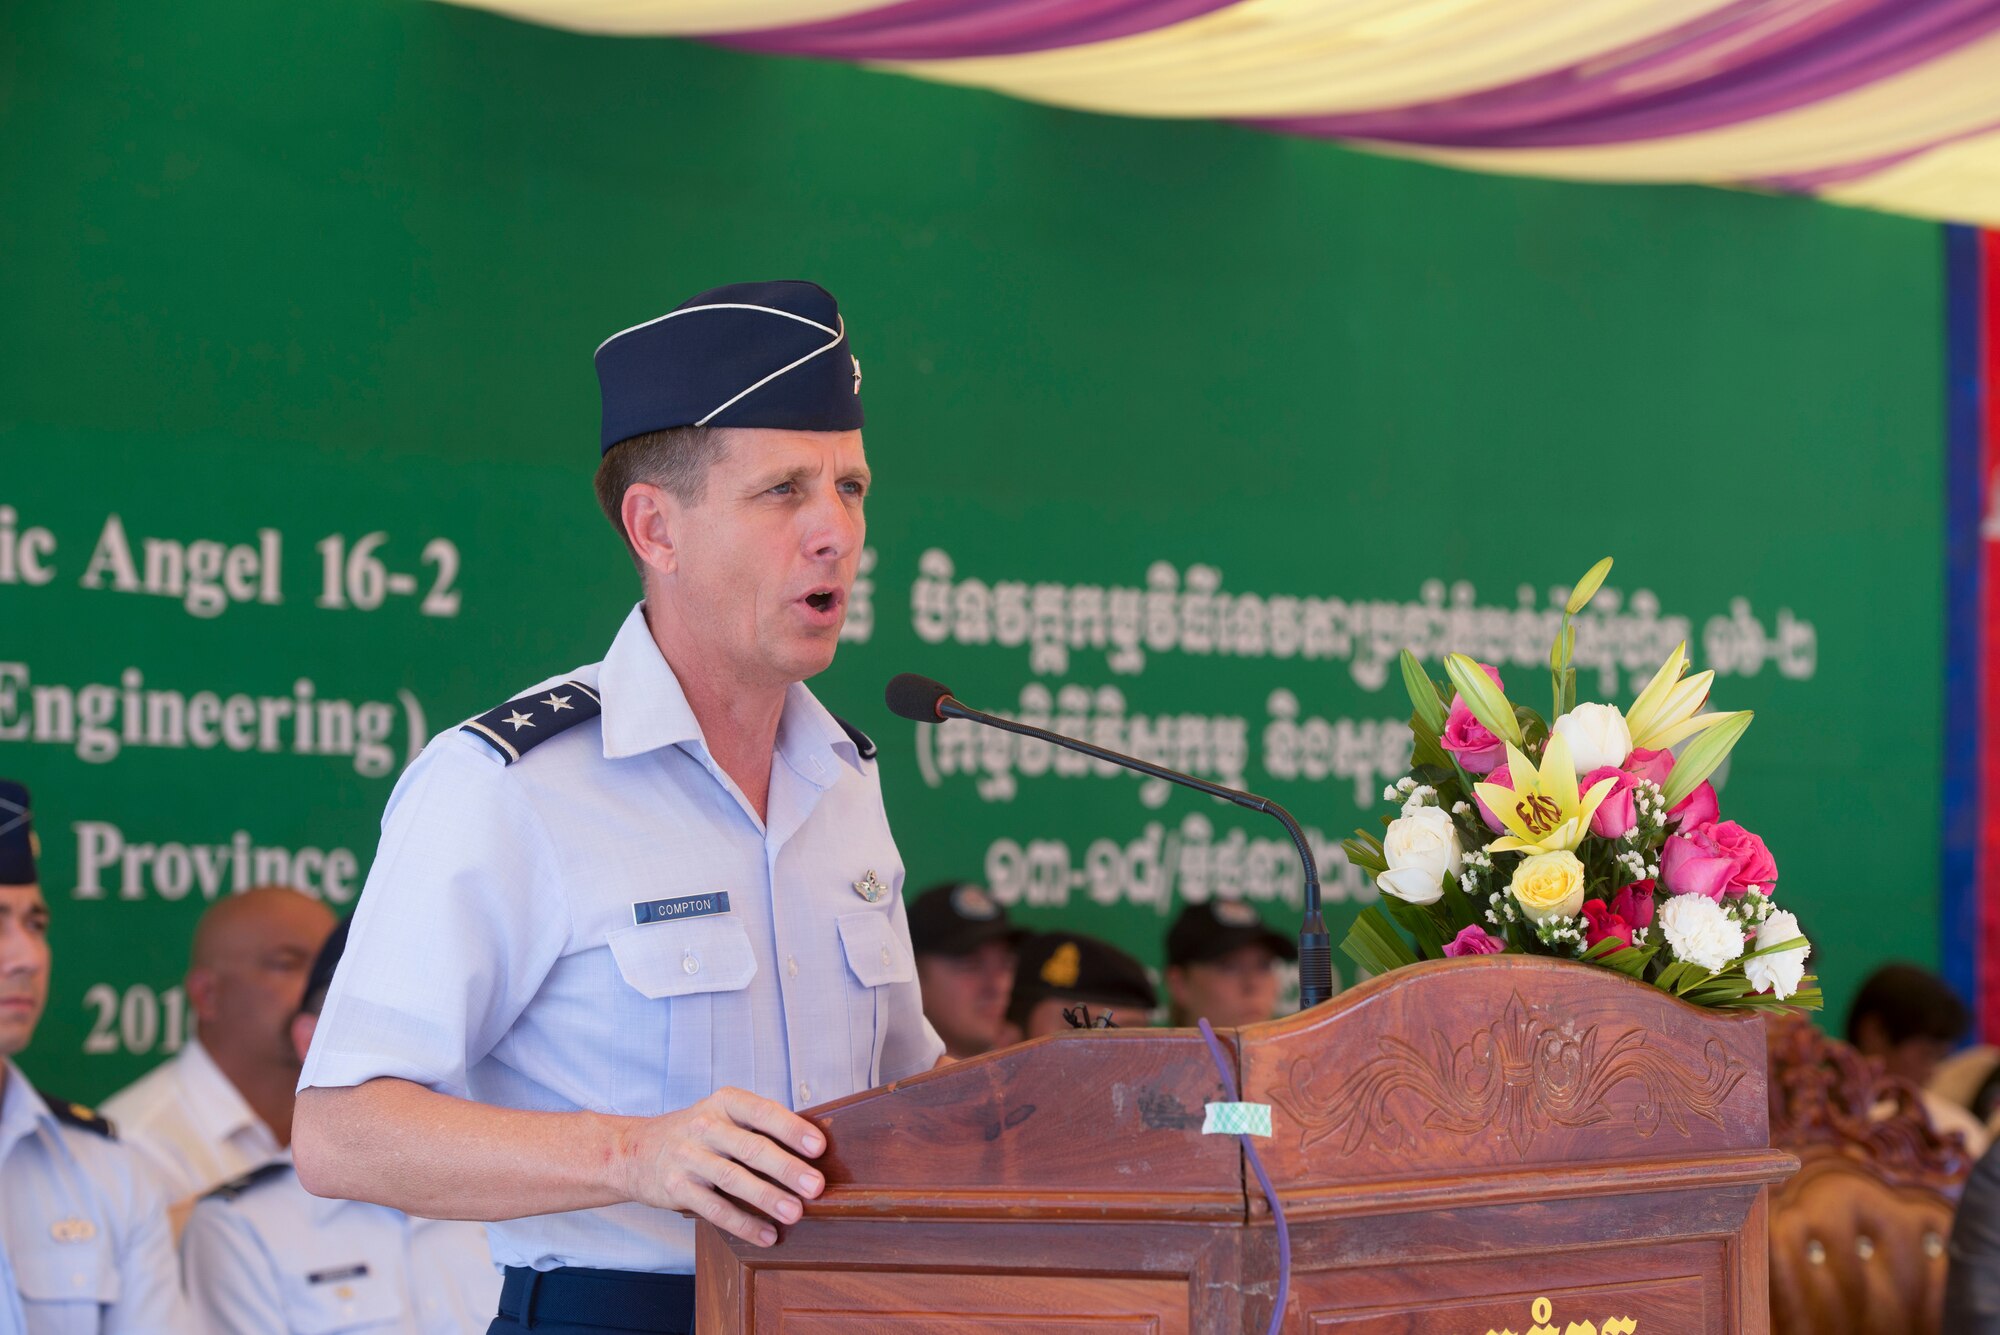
{"x": 204, "y": 993}
{"x": 652, "y": 517}
{"x": 1177, "y": 986}
{"x": 304, "y": 1025}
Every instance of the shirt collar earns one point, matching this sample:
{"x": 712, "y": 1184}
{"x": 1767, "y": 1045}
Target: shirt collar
{"x": 644, "y": 709}
{"x": 22, "y": 1110}
{"x": 218, "y": 1104}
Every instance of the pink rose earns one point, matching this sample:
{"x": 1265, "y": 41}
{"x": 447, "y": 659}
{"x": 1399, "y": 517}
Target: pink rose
{"x": 1474, "y": 747}
{"x": 1697, "y": 808}
{"x": 1634, "y": 903}
{"x": 1505, "y": 780}
{"x": 1474, "y": 940}
{"x": 1717, "y": 858}
{"x": 1615, "y": 816}
{"x": 1599, "y": 922}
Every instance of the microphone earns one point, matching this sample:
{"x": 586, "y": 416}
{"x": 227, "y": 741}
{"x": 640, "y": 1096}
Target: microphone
{"x": 925, "y": 701}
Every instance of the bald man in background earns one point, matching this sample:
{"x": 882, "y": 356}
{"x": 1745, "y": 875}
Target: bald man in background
{"x": 224, "y": 1105}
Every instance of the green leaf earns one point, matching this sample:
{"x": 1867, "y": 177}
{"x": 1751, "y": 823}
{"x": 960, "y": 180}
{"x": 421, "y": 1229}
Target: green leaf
{"x": 1373, "y": 944}
{"x": 1423, "y": 695}
{"x": 1429, "y": 750}
{"x": 1703, "y": 755}
{"x": 1458, "y": 906}
{"x": 1587, "y": 587}
{"x": 1796, "y": 943}
{"x": 1419, "y": 922}
{"x": 1486, "y": 701}
{"x": 1365, "y": 852}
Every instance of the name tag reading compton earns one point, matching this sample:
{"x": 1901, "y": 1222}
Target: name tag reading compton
{"x": 673, "y": 910}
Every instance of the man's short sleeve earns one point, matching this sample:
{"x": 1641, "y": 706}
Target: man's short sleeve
{"x": 460, "y": 921}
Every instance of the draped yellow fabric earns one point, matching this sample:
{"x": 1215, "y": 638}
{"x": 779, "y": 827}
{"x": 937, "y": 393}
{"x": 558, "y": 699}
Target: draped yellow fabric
{"x": 1956, "y": 94}
{"x": 1312, "y": 57}
{"x": 689, "y": 18}
{"x": 1929, "y": 118}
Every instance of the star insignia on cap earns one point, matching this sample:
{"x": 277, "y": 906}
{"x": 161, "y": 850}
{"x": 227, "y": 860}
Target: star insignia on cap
{"x": 518, "y": 720}
{"x": 556, "y": 703}
{"x": 870, "y": 889}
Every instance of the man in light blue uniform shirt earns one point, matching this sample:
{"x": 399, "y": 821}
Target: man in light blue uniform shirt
{"x": 263, "y": 1256}
{"x": 84, "y": 1243}
{"x": 619, "y": 928}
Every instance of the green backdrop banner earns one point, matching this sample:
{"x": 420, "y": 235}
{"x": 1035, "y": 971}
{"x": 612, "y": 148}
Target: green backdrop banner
{"x": 1180, "y": 432}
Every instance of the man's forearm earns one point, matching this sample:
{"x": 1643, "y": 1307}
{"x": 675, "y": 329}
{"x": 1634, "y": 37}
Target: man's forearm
{"x": 398, "y": 1144}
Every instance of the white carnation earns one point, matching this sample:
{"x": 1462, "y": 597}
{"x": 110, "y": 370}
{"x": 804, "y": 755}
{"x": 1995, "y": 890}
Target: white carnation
{"x": 1780, "y": 973}
{"x": 1597, "y": 737}
{"x": 1420, "y": 848}
{"x": 1700, "y": 932}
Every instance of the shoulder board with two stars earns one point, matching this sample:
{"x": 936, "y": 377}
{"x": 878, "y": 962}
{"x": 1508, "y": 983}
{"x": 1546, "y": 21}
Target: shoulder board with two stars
{"x": 235, "y": 1187}
{"x": 519, "y": 726}
{"x": 82, "y": 1118}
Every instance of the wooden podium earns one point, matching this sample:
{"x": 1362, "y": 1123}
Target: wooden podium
{"x": 1505, "y": 1144}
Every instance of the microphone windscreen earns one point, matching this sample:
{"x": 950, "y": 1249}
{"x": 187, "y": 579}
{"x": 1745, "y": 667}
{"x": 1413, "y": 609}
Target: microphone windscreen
{"x": 912, "y": 697}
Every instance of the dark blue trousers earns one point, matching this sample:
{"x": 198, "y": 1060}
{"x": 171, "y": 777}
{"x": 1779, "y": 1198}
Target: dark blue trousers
{"x": 573, "y": 1301}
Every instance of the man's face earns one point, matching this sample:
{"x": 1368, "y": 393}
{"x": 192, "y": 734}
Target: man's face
{"x": 763, "y": 566}
{"x": 965, "y": 996}
{"x": 251, "y": 974}
{"x": 1229, "y": 991}
{"x": 24, "y": 964}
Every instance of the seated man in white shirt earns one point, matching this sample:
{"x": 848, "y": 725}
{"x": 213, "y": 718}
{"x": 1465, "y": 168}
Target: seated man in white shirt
{"x": 262, "y": 1256}
{"x": 224, "y": 1105}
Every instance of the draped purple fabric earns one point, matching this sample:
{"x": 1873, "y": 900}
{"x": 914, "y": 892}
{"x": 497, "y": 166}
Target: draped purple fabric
{"x": 1751, "y": 59}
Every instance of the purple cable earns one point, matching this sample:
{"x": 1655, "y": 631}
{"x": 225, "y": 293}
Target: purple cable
{"x": 1221, "y": 1059}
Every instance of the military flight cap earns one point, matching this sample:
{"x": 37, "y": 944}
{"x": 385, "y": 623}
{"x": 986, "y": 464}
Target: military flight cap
{"x": 749, "y": 354}
{"x": 1209, "y": 931}
{"x": 1080, "y": 968}
{"x": 17, "y": 836}
{"x": 957, "y": 918}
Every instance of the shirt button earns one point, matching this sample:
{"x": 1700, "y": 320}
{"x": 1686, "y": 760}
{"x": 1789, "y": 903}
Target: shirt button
{"x": 805, "y": 1092}
{"x": 690, "y": 963}
{"x": 885, "y": 957}
{"x": 792, "y": 965}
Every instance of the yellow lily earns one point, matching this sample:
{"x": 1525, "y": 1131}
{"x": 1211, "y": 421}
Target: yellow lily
{"x": 1664, "y": 714}
{"x": 1543, "y": 812}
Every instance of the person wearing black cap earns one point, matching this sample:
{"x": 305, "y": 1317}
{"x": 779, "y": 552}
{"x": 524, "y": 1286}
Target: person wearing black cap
{"x": 85, "y": 1248}
{"x": 619, "y": 928}
{"x": 1222, "y": 965}
{"x": 262, "y": 1256}
{"x": 1064, "y": 970}
{"x": 965, "y": 964}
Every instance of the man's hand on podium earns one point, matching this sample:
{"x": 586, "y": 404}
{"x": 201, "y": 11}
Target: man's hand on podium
{"x": 708, "y": 1157}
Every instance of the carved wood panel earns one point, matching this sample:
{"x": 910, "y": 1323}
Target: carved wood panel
{"x": 1441, "y": 1067}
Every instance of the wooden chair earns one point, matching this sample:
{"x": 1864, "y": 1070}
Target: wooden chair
{"x": 1858, "y": 1236}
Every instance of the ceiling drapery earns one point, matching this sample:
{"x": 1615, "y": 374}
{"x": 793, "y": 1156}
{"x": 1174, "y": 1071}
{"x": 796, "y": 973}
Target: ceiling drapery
{"x": 1894, "y": 104}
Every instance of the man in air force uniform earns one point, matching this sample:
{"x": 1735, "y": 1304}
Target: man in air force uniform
{"x": 262, "y": 1256}
{"x": 84, "y": 1243}
{"x": 619, "y": 927}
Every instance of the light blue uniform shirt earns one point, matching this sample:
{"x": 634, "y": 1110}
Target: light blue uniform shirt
{"x": 496, "y": 953}
{"x": 84, "y": 1244}
{"x": 267, "y": 1257}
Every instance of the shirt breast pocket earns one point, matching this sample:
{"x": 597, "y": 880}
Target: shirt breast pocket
{"x": 877, "y": 958}
{"x": 65, "y": 1289}
{"x": 323, "y": 1303}
{"x": 683, "y": 970}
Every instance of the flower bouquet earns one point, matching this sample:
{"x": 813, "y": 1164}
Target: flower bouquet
{"x": 1585, "y": 838}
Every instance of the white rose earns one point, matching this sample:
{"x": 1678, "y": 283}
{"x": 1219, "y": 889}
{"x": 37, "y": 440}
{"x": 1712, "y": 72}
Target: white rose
{"x": 1597, "y": 737}
{"x": 1700, "y": 932}
{"x": 1778, "y": 974}
{"x": 1419, "y": 848}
